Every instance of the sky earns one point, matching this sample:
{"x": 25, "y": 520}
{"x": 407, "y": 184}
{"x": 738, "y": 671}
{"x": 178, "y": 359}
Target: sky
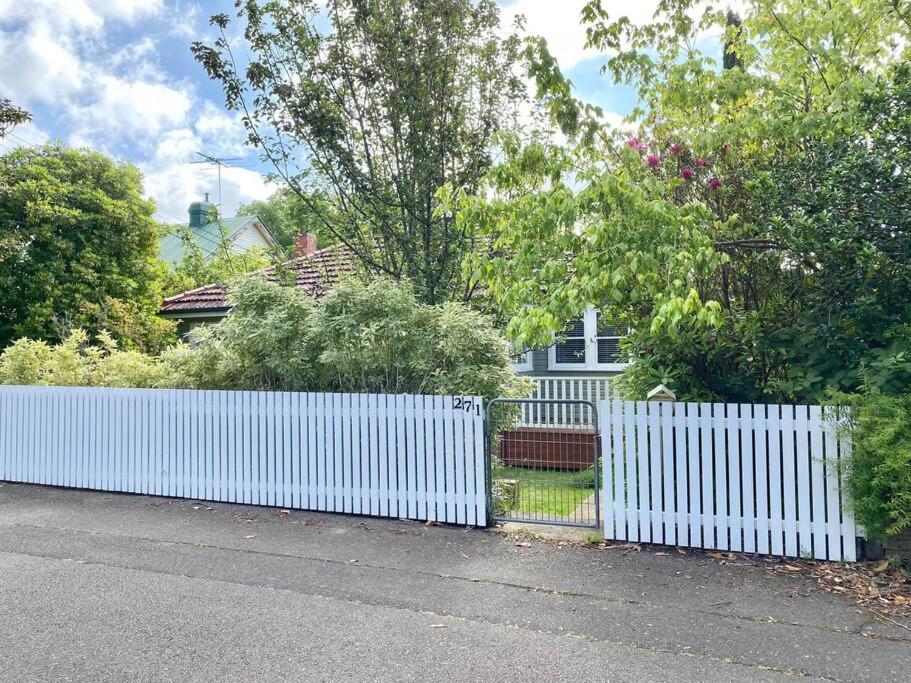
{"x": 118, "y": 76}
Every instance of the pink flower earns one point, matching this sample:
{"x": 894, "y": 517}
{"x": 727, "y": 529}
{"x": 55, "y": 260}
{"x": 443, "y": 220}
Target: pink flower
{"x": 701, "y": 162}
{"x": 676, "y": 148}
{"x": 636, "y": 145}
{"x": 714, "y": 183}
{"x": 652, "y": 160}
{"x": 725, "y": 147}
{"x": 686, "y": 173}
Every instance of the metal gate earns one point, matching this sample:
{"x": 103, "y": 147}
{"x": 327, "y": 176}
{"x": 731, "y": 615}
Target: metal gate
{"x": 543, "y": 461}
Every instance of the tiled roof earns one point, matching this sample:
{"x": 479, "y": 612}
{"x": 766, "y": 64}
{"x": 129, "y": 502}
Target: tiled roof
{"x": 314, "y": 274}
{"x": 209, "y": 237}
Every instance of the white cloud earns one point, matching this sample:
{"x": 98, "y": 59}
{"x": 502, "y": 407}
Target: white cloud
{"x": 184, "y": 20}
{"x": 126, "y": 10}
{"x": 35, "y": 65}
{"x": 132, "y": 109}
{"x": 54, "y": 57}
{"x": 83, "y": 15}
{"x": 222, "y": 131}
{"x": 557, "y": 22}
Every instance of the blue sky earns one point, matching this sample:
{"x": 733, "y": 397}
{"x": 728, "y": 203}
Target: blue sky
{"x": 117, "y": 75}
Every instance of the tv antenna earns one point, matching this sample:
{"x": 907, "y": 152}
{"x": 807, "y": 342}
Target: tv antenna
{"x": 219, "y": 162}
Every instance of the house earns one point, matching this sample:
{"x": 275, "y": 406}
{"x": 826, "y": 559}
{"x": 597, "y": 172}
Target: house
{"x": 579, "y": 365}
{"x": 212, "y": 234}
{"x": 315, "y": 271}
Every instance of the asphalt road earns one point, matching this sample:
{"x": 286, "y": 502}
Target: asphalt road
{"x": 98, "y": 586}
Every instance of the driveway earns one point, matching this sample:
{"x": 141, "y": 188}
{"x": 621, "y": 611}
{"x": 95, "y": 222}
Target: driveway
{"x": 98, "y": 586}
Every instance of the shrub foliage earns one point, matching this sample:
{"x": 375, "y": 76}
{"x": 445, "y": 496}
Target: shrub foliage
{"x": 360, "y": 338}
{"x": 76, "y": 362}
{"x": 879, "y": 470}
{"x": 374, "y": 337}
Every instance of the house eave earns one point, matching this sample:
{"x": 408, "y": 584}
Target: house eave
{"x": 189, "y": 313}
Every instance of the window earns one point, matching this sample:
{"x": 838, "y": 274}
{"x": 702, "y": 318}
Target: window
{"x": 521, "y": 362}
{"x": 571, "y": 348}
{"x": 609, "y": 343}
{"x": 588, "y": 343}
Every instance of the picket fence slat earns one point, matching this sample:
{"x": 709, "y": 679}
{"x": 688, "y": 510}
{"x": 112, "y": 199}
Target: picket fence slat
{"x": 641, "y": 478}
{"x": 630, "y": 466}
{"x": 419, "y": 457}
{"x": 740, "y": 477}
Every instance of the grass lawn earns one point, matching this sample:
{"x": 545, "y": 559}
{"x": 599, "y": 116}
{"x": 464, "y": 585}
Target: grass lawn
{"x": 544, "y": 493}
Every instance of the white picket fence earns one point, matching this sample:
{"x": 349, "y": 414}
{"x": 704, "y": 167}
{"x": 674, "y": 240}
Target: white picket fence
{"x": 418, "y": 457}
{"x": 753, "y": 478}
{"x": 593, "y": 389}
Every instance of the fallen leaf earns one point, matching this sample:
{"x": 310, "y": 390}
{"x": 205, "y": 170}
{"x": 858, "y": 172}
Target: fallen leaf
{"x": 438, "y": 626}
{"x": 681, "y": 551}
{"x": 663, "y": 554}
{"x": 715, "y": 555}
{"x": 524, "y": 544}
{"x": 284, "y": 512}
{"x": 881, "y": 567}
{"x": 250, "y": 536}
{"x": 792, "y": 568}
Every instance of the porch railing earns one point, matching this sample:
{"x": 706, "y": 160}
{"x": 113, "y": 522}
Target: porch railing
{"x": 594, "y": 389}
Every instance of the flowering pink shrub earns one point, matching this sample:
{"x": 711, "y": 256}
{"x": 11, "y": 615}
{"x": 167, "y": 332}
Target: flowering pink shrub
{"x": 636, "y": 145}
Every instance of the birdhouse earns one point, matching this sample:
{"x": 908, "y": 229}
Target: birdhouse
{"x": 661, "y": 393}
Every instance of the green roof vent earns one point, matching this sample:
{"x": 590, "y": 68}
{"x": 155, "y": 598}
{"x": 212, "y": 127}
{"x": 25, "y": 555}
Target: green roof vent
{"x": 201, "y": 212}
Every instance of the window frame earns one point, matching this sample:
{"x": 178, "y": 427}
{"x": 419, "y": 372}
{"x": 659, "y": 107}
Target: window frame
{"x": 526, "y": 365}
{"x": 590, "y": 320}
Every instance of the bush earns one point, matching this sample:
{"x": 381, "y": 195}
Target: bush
{"x": 878, "y": 474}
{"x": 76, "y": 362}
{"x": 361, "y": 337}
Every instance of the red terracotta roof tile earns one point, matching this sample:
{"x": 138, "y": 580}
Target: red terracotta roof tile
{"x": 315, "y": 274}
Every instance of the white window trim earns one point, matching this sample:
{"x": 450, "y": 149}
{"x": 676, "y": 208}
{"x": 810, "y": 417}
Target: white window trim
{"x": 590, "y": 319}
{"x": 526, "y": 365}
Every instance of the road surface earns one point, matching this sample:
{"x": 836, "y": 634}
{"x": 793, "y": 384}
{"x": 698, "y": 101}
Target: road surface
{"x": 97, "y": 586}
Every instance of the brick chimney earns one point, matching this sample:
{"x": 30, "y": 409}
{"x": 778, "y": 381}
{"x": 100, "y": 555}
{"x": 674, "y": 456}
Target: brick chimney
{"x": 304, "y": 245}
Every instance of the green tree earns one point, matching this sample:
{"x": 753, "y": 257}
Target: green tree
{"x": 286, "y": 216}
{"x": 78, "y": 248}
{"x": 753, "y": 233}
{"x": 373, "y": 115}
